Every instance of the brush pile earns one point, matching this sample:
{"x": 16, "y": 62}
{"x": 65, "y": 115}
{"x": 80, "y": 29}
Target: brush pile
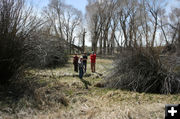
{"x": 143, "y": 71}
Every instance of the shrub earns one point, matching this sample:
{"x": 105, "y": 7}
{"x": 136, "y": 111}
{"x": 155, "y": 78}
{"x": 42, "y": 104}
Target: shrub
{"x": 45, "y": 51}
{"x": 142, "y": 71}
{"x": 11, "y": 38}
{"x": 21, "y": 41}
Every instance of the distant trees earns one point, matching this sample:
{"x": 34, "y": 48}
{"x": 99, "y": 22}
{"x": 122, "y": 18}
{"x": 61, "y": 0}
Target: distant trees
{"x": 175, "y": 28}
{"x": 99, "y": 19}
{"x": 138, "y": 23}
{"x": 63, "y": 21}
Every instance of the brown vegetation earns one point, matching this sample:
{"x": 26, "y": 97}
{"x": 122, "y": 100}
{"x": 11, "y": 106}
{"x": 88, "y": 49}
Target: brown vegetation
{"x": 143, "y": 71}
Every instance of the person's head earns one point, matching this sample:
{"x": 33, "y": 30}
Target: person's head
{"x": 75, "y": 54}
{"x": 84, "y": 54}
{"x": 81, "y": 58}
{"x": 92, "y": 52}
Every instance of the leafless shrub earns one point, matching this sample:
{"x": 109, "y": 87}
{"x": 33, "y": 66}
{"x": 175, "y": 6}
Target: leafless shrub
{"x": 142, "y": 71}
{"x": 22, "y": 42}
{"x": 45, "y": 51}
{"x": 16, "y": 25}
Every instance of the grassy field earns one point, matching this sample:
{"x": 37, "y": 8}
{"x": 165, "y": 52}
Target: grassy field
{"x": 92, "y": 103}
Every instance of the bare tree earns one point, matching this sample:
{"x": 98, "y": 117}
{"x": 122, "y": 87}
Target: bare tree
{"x": 99, "y": 15}
{"x": 155, "y": 8}
{"x": 63, "y": 20}
{"x": 53, "y": 13}
{"x": 71, "y": 19}
{"x": 138, "y": 22}
{"x": 94, "y": 20}
{"x": 174, "y": 23}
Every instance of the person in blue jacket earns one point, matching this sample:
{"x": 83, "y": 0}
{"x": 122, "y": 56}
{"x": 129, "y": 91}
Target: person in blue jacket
{"x": 81, "y": 67}
{"x": 81, "y": 72}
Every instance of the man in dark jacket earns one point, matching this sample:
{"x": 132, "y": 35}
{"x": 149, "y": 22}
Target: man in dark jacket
{"x": 85, "y": 61}
{"x": 75, "y": 62}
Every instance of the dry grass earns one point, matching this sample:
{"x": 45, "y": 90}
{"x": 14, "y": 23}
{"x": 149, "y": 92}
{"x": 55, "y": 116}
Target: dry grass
{"x": 95, "y": 103}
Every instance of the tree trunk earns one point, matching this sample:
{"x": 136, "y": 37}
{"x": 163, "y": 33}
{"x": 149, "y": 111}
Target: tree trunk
{"x": 178, "y": 43}
{"x": 104, "y": 46}
{"x": 154, "y": 33}
{"x": 83, "y": 45}
{"x": 105, "y": 41}
{"x": 94, "y": 43}
{"x": 108, "y": 48}
{"x": 100, "y": 44}
{"x": 112, "y": 40}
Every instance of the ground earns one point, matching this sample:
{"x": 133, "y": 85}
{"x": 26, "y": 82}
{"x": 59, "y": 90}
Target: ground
{"x": 92, "y": 103}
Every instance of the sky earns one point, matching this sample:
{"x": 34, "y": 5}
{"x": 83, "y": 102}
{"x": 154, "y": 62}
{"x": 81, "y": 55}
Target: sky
{"x": 79, "y": 4}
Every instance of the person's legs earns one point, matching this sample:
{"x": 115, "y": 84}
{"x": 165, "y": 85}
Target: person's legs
{"x": 94, "y": 67}
{"x": 91, "y": 67}
{"x": 85, "y": 65}
{"x": 81, "y": 73}
{"x": 75, "y": 67}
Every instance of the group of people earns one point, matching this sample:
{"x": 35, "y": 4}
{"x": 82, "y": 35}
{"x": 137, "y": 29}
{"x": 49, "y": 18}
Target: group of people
{"x": 80, "y": 63}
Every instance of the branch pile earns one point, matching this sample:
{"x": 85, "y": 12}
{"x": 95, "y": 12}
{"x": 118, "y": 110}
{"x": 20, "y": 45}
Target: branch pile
{"x": 142, "y": 71}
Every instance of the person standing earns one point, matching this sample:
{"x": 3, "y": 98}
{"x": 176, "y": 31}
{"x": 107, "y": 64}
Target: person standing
{"x": 85, "y": 61}
{"x": 81, "y": 73}
{"x": 75, "y": 62}
{"x": 81, "y": 68}
{"x": 93, "y": 61}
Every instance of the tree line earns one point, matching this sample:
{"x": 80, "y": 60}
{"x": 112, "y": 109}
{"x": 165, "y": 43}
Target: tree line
{"x": 131, "y": 23}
